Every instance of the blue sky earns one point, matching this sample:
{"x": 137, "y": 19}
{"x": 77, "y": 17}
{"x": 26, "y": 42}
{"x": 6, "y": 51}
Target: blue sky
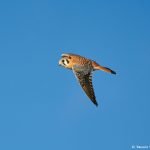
{"x": 41, "y": 104}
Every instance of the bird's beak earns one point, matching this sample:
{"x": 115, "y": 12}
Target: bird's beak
{"x": 59, "y": 63}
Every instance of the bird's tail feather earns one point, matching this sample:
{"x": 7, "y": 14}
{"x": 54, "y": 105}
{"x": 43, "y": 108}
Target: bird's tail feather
{"x": 98, "y": 67}
{"x": 107, "y": 70}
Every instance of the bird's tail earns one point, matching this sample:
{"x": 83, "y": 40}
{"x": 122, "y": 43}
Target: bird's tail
{"x": 98, "y": 67}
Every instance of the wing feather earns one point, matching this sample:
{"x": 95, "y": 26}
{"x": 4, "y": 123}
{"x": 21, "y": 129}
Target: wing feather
{"x": 85, "y": 80}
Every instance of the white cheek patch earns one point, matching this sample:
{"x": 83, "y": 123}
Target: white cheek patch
{"x": 65, "y": 62}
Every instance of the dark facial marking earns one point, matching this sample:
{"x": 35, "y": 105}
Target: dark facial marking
{"x": 67, "y": 61}
{"x": 63, "y": 62}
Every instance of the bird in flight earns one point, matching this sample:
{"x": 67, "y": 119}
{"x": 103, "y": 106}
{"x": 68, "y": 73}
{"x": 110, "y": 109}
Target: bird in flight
{"x": 82, "y": 68}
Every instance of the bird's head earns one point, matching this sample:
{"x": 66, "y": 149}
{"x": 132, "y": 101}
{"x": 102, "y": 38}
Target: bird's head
{"x": 65, "y": 61}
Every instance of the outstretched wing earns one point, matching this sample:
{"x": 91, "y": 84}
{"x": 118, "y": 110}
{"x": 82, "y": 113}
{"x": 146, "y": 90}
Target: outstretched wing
{"x": 84, "y": 76}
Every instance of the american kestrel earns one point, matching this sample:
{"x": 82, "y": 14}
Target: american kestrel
{"x": 82, "y": 68}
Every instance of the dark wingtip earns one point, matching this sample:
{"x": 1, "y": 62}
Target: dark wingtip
{"x": 96, "y": 104}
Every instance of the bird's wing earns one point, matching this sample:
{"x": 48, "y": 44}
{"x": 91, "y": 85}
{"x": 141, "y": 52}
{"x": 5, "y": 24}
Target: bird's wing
{"x": 84, "y": 76}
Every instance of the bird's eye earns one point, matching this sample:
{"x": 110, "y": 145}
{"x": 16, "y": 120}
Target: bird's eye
{"x": 63, "y": 61}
